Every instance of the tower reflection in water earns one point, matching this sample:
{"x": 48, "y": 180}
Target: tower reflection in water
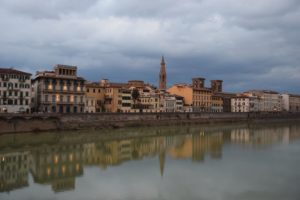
{"x": 57, "y": 159}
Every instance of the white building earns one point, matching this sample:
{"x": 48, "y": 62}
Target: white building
{"x": 240, "y": 104}
{"x": 169, "y": 104}
{"x": 173, "y": 103}
{"x": 269, "y": 101}
{"x": 127, "y": 101}
{"x": 243, "y": 103}
{"x": 90, "y": 104}
{"x": 15, "y": 91}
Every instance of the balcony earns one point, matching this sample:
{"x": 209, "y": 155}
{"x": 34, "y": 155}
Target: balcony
{"x": 69, "y": 103}
{"x": 64, "y": 103}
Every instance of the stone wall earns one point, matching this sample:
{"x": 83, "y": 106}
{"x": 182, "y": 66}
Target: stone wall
{"x": 12, "y": 123}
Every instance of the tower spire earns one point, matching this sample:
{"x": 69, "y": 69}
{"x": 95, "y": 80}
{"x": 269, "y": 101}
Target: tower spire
{"x": 162, "y": 74}
{"x": 162, "y": 62}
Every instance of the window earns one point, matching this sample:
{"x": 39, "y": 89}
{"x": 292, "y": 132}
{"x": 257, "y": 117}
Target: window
{"x": 27, "y": 94}
{"x": 46, "y": 98}
{"x": 53, "y": 98}
{"x": 16, "y": 93}
{"x": 10, "y": 102}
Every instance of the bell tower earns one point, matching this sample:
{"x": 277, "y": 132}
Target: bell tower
{"x": 162, "y": 74}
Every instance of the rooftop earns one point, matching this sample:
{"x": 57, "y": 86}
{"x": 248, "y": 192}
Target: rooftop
{"x": 13, "y": 71}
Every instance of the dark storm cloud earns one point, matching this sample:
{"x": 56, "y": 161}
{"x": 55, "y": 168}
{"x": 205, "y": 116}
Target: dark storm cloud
{"x": 249, "y": 44}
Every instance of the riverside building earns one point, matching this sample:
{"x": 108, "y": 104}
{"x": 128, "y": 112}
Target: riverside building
{"x": 202, "y": 96}
{"x": 59, "y": 91}
{"x": 15, "y": 91}
{"x": 244, "y": 103}
{"x": 291, "y": 102}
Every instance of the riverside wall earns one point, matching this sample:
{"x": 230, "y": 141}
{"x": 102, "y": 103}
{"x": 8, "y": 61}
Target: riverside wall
{"x": 15, "y": 123}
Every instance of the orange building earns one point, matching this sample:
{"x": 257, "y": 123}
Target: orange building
{"x": 183, "y": 90}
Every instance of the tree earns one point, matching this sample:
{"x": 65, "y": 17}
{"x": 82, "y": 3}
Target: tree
{"x": 135, "y": 95}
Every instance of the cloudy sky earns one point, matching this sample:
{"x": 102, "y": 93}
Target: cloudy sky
{"x": 248, "y": 44}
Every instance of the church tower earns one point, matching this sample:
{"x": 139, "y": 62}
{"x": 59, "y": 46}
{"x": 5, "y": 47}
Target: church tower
{"x": 162, "y": 75}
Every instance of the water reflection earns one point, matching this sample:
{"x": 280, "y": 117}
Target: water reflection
{"x": 56, "y": 159}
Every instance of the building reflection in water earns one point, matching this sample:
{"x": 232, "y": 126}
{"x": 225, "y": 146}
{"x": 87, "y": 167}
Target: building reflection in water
{"x": 57, "y": 161}
{"x": 57, "y": 165}
{"x": 14, "y": 168}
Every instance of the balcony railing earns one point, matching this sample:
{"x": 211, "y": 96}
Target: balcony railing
{"x": 63, "y": 91}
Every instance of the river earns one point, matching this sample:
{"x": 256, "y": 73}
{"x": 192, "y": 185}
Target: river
{"x": 209, "y": 162}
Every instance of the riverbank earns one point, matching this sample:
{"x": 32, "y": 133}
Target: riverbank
{"x": 15, "y": 123}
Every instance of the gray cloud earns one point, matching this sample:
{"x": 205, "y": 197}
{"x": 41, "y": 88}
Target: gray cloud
{"x": 248, "y": 44}
{"x": 46, "y": 9}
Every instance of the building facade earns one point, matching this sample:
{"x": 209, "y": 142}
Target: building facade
{"x": 15, "y": 91}
{"x": 90, "y": 104}
{"x": 294, "y": 103}
{"x": 268, "y": 101}
{"x": 291, "y": 102}
{"x": 257, "y": 101}
{"x": 240, "y": 104}
{"x": 184, "y": 90}
{"x": 216, "y": 103}
{"x": 173, "y": 103}
{"x": 95, "y": 93}
{"x": 59, "y": 91}
{"x": 202, "y": 100}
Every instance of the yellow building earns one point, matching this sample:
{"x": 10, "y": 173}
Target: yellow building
{"x": 202, "y": 100}
{"x": 216, "y": 103}
{"x": 113, "y": 97}
{"x": 95, "y": 94}
{"x": 201, "y": 96}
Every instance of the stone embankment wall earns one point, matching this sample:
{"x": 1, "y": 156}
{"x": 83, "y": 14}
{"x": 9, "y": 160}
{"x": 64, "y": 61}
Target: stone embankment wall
{"x": 13, "y": 123}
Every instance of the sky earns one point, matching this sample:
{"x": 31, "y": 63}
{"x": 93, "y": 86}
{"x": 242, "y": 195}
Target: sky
{"x": 247, "y": 44}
